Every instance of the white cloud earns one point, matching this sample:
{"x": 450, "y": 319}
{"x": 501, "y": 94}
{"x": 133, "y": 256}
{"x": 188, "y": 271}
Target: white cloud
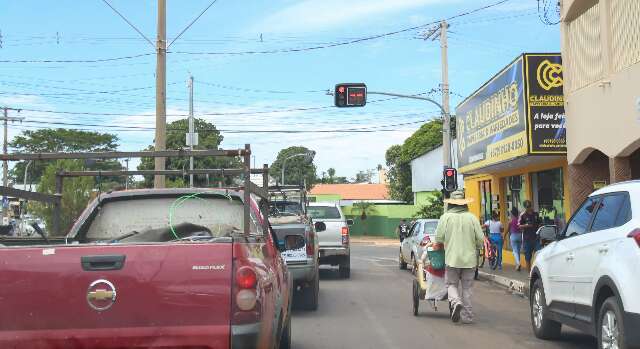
{"x": 313, "y": 15}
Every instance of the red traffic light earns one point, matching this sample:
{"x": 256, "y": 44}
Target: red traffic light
{"x": 341, "y": 89}
{"x": 449, "y": 173}
{"x": 350, "y": 95}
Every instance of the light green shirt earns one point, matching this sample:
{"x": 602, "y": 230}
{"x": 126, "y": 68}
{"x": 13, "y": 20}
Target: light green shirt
{"x": 462, "y": 236}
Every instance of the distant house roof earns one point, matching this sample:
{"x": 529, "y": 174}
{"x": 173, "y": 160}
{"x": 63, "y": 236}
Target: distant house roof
{"x": 353, "y": 191}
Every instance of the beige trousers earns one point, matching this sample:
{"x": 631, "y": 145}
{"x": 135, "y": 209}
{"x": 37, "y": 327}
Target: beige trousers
{"x": 459, "y": 286}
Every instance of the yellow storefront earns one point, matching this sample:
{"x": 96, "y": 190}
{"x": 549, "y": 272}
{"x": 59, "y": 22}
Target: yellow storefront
{"x": 512, "y": 143}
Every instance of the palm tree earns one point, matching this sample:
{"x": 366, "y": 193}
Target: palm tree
{"x": 365, "y": 208}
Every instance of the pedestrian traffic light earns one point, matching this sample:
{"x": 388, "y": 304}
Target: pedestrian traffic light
{"x": 450, "y": 179}
{"x": 350, "y": 95}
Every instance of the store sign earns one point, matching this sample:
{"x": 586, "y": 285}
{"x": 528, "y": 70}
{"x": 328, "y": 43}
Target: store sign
{"x": 545, "y": 104}
{"x": 491, "y": 124}
{"x": 518, "y": 112}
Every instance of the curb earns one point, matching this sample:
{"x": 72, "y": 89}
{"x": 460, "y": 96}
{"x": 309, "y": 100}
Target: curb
{"x": 517, "y": 287}
{"x": 377, "y": 243}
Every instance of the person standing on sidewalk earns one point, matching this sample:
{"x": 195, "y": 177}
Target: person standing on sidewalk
{"x": 462, "y": 236}
{"x": 403, "y": 229}
{"x": 495, "y": 235}
{"x": 515, "y": 236}
{"x": 529, "y": 223}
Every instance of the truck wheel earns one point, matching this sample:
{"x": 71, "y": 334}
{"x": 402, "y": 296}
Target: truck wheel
{"x": 543, "y": 327}
{"x": 310, "y": 295}
{"x": 345, "y": 268}
{"x": 285, "y": 337}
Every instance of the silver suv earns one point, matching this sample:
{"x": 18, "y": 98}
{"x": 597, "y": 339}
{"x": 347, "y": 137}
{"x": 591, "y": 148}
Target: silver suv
{"x": 334, "y": 240}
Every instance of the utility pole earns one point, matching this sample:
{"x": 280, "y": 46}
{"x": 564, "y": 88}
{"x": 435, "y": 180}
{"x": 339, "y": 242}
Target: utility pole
{"x": 191, "y": 129}
{"x": 446, "y": 127}
{"x": 126, "y": 179}
{"x": 161, "y": 91}
{"x": 5, "y": 164}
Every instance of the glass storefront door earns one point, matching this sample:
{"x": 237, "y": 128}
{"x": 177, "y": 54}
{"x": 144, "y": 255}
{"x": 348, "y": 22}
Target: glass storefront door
{"x": 486, "y": 202}
{"x": 548, "y": 196}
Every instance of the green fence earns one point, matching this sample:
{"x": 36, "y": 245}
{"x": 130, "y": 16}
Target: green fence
{"x": 382, "y": 219}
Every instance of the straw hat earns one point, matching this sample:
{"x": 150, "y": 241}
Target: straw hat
{"x": 457, "y": 198}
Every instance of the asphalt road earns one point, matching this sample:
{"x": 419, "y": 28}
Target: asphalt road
{"x": 373, "y": 309}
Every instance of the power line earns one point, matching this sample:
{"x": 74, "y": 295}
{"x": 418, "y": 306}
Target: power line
{"x": 255, "y": 90}
{"x": 131, "y": 24}
{"x": 100, "y": 60}
{"x": 190, "y": 24}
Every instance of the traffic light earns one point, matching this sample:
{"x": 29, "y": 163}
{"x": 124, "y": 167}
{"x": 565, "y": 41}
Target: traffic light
{"x": 450, "y": 179}
{"x": 350, "y": 95}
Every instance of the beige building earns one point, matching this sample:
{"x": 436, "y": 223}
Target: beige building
{"x": 601, "y": 58}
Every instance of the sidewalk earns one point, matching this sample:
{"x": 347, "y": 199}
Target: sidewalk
{"x": 375, "y": 240}
{"x": 515, "y": 282}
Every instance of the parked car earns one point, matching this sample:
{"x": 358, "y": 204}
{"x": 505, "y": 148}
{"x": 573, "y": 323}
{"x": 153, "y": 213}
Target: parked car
{"x": 152, "y": 268}
{"x": 334, "y": 241}
{"x": 587, "y": 277}
{"x": 288, "y": 217}
{"x": 412, "y": 247}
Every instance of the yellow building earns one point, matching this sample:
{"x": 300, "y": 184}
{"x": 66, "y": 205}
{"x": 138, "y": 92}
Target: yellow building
{"x": 511, "y": 140}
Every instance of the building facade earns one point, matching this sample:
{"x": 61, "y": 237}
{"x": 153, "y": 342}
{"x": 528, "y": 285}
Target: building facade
{"x": 511, "y": 141}
{"x": 601, "y": 51}
{"x": 426, "y": 173}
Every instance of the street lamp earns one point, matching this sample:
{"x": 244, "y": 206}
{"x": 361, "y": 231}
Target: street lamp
{"x": 308, "y": 155}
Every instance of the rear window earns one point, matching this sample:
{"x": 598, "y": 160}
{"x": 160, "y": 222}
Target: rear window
{"x": 324, "y": 212}
{"x": 430, "y": 228}
{"x": 285, "y": 207}
{"x": 186, "y": 218}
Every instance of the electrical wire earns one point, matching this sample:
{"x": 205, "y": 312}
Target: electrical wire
{"x": 129, "y": 23}
{"x": 100, "y": 60}
{"x": 190, "y": 24}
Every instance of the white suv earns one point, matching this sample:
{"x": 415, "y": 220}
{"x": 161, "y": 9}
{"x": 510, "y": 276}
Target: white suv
{"x": 589, "y": 278}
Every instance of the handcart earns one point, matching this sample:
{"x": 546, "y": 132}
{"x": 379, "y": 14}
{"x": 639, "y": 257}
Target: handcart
{"x": 429, "y": 283}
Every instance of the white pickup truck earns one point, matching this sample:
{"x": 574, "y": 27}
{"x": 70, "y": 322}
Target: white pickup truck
{"x": 334, "y": 240}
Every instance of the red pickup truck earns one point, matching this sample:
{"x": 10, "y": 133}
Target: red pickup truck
{"x": 151, "y": 268}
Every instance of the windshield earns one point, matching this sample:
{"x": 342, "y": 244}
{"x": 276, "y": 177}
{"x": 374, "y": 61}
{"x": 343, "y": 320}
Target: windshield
{"x": 324, "y": 212}
{"x": 429, "y": 228}
{"x": 285, "y": 207}
{"x": 165, "y": 219}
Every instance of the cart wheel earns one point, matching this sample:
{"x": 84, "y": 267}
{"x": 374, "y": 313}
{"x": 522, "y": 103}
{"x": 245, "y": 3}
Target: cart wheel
{"x": 416, "y": 297}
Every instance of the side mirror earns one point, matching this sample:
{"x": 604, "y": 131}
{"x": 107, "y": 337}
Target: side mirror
{"x": 293, "y": 242}
{"x": 548, "y": 232}
{"x": 349, "y": 222}
{"x": 320, "y": 226}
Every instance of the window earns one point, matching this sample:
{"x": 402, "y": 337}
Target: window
{"x": 613, "y": 211}
{"x": 324, "y": 212}
{"x": 430, "y": 228}
{"x": 416, "y": 229}
{"x": 580, "y": 221}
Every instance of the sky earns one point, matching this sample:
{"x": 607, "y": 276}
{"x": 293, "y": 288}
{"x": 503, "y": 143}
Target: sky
{"x": 250, "y": 74}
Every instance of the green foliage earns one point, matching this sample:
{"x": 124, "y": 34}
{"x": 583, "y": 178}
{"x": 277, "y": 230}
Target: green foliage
{"x": 60, "y": 140}
{"x": 398, "y": 158}
{"x": 76, "y": 194}
{"x": 330, "y": 177}
{"x": 364, "y": 208}
{"x": 209, "y": 138}
{"x": 296, "y": 168}
{"x": 434, "y": 208}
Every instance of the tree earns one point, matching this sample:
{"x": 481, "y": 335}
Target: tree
{"x": 296, "y": 168}
{"x": 433, "y": 209}
{"x": 60, "y": 140}
{"x": 76, "y": 194}
{"x": 209, "y": 138}
{"x": 332, "y": 173}
{"x": 365, "y": 208}
{"x": 363, "y": 177}
{"x": 398, "y": 157}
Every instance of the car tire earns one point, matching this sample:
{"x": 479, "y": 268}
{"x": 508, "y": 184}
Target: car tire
{"x": 345, "y": 268}
{"x": 543, "y": 327}
{"x": 310, "y": 295}
{"x": 285, "y": 336}
{"x": 401, "y": 262}
{"x": 611, "y": 324}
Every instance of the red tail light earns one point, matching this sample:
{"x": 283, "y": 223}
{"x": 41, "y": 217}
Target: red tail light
{"x": 246, "y": 278}
{"x": 425, "y": 241}
{"x": 310, "y": 243}
{"x": 345, "y": 235}
{"x": 635, "y": 234}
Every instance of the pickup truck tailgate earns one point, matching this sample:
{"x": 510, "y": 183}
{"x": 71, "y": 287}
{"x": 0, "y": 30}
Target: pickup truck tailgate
{"x": 116, "y": 295}
{"x": 332, "y": 236}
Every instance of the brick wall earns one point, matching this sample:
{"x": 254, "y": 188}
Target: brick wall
{"x": 582, "y": 176}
